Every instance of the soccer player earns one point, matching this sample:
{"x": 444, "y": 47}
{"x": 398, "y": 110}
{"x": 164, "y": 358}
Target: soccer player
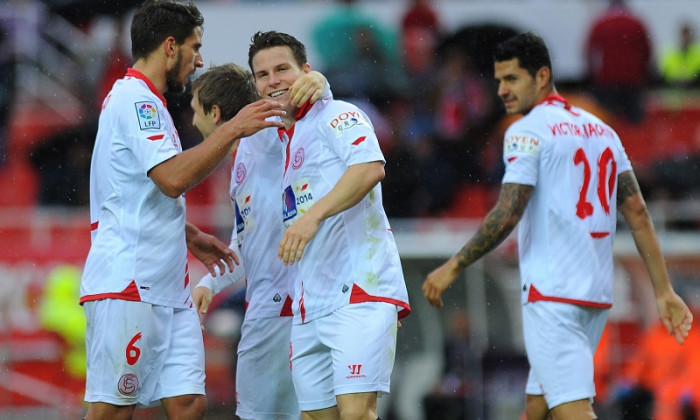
{"x": 566, "y": 176}
{"x": 144, "y": 344}
{"x": 261, "y": 394}
{"x": 349, "y": 291}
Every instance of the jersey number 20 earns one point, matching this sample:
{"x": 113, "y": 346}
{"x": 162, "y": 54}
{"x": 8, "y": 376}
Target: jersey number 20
{"x": 606, "y": 182}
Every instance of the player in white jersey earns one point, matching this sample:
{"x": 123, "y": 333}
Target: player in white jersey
{"x": 144, "y": 345}
{"x": 350, "y": 289}
{"x": 566, "y": 176}
{"x": 261, "y": 394}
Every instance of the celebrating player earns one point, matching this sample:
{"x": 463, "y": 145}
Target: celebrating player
{"x": 144, "y": 344}
{"x": 566, "y": 176}
{"x": 349, "y": 289}
{"x": 261, "y": 394}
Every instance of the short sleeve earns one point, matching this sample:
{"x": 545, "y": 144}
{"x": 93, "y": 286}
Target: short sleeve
{"x": 350, "y": 134}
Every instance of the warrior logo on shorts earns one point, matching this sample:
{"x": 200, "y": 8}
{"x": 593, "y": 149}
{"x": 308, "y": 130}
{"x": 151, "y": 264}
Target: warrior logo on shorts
{"x": 355, "y": 372}
{"x": 128, "y": 384}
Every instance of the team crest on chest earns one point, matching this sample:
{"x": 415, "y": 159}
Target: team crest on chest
{"x": 298, "y": 160}
{"x": 241, "y": 173}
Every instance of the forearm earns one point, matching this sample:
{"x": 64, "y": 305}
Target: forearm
{"x": 647, "y": 243}
{"x": 352, "y": 187}
{"x": 497, "y": 225}
{"x": 495, "y": 228}
{"x": 191, "y": 232}
{"x": 184, "y": 171}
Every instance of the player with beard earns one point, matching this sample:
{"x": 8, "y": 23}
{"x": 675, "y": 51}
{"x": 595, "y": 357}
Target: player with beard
{"x": 144, "y": 344}
{"x": 567, "y": 175}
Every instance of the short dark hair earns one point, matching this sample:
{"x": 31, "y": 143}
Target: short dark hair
{"x": 530, "y": 50}
{"x": 228, "y": 86}
{"x": 155, "y": 20}
{"x": 264, "y": 40}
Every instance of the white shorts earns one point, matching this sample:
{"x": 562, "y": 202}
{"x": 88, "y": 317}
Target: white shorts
{"x": 138, "y": 353}
{"x": 264, "y": 388}
{"x": 560, "y": 340}
{"x": 348, "y": 351}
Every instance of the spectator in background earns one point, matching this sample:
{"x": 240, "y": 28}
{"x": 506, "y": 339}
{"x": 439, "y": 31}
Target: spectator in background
{"x": 680, "y": 64}
{"x": 62, "y": 161}
{"x": 453, "y": 397}
{"x": 618, "y": 52}
{"x": 7, "y": 87}
{"x": 352, "y": 44}
{"x": 420, "y": 14}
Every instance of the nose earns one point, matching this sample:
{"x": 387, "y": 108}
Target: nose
{"x": 502, "y": 91}
{"x": 198, "y": 60}
{"x": 272, "y": 79}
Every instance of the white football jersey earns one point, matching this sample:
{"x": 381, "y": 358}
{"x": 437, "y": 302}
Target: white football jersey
{"x": 255, "y": 181}
{"x": 353, "y": 257}
{"x": 566, "y": 234}
{"x": 138, "y": 250}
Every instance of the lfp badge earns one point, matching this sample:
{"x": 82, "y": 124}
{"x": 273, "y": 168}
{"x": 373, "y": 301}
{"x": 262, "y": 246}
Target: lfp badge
{"x": 148, "y": 115}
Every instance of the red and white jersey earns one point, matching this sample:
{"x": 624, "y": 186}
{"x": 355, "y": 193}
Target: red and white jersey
{"x": 138, "y": 249}
{"x": 566, "y": 234}
{"x": 353, "y": 257}
{"x": 255, "y": 181}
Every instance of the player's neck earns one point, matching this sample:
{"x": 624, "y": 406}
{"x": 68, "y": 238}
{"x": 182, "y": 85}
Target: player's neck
{"x": 153, "y": 72}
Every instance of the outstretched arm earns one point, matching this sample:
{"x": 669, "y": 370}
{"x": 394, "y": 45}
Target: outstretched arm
{"x": 497, "y": 225}
{"x": 185, "y": 170}
{"x": 673, "y": 312}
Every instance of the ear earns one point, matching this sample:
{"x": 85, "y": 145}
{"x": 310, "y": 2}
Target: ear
{"x": 306, "y": 68}
{"x": 215, "y": 114}
{"x": 543, "y": 77}
{"x": 170, "y": 46}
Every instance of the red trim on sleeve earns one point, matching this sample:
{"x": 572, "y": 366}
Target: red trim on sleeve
{"x": 156, "y": 137}
{"x": 131, "y": 293}
{"x": 534, "y": 295}
{"x": 359, "y": 296}
{"x": 359, "y": 140}
{"x": 93, "y": 226}
{"x": 598, "y": 235}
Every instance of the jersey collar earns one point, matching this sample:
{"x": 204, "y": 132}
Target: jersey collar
{"x": 138, "y": 75}
{"x": 301, "y": 113}
{"x": 552, "y": 98}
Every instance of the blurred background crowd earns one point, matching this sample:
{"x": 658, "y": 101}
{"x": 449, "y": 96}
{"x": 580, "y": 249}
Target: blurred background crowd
{"x": 424, "y": 76}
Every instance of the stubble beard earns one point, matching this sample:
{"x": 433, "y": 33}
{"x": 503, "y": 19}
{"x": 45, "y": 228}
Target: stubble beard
{"x": 174, "y": 85}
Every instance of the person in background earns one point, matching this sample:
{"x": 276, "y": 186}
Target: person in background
{"x": 618, "y": 52}
{"x": 680, "y": 65}
{"x": 144, "y": 344}
{"x": 566, "y": 176}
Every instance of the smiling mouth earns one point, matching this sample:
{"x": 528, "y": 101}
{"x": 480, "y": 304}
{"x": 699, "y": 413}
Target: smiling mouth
{"x": 278, "y": 93}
